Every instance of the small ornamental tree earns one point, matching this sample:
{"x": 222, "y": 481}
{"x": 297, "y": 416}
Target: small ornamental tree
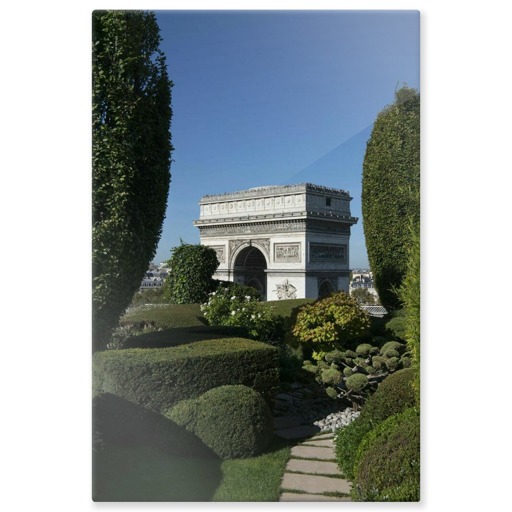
{"x": 191, "y": 268}
{"x": 330, "y": 323}
{"x": 131, "y": 156}
{"x": 391, "y": 177}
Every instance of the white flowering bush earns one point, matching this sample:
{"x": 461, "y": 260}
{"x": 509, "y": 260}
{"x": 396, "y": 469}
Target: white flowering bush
{"x": 240, "y": 307}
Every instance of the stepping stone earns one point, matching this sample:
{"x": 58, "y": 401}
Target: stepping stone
{"x": 327, "y": 443}
{"x": 314, "y": 484}
{"x": 312, "y": 467}
{"x": 329, "y": 435}
{"x": 312, "y": 452}
{"x": 294, "y": 496}
{"x": 297, "y": 432}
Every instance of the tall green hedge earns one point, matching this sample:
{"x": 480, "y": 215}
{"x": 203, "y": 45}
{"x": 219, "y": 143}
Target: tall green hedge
{"x": 159, "y": 378}
{"x": 390, "y": 194}
{"x": 191, "y": 268}
{"x": 131, "y": 156}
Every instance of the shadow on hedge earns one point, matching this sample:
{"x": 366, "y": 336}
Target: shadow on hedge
{"x": 142, "y": 456}
{"x": 182, "y": 335}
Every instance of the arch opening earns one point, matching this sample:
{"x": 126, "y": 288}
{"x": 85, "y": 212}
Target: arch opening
{"x": 249, "y": 269}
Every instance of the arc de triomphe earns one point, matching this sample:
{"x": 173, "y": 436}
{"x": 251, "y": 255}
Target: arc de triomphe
{"x": 287, "y": 241}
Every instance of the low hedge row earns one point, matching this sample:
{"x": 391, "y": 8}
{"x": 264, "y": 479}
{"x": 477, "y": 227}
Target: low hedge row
{"x": 159, "y": 378}
{"x": 387, "y": 465}
{"x": 394, "y": 395}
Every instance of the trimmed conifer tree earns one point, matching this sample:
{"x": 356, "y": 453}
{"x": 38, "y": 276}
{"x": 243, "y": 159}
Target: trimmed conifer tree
{"x": 390, "y": 193}
{"x": 131, "y": 155}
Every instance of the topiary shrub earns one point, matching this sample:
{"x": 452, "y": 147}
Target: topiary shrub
{"x": 158, "y": 378}
{"x": 391, "y": 169}
{"x": 191, "y": 268}
{"x": 331, "y": 376}
{"x": 234, "y": 421}
{"x": 330, "y": 323}
{"x": 357, "y": 382}
{"x": 394, "y": 394}
{"x": 387, "y": 463}
{"x": 392, "y": 345}
{"x": 363, "y": 350}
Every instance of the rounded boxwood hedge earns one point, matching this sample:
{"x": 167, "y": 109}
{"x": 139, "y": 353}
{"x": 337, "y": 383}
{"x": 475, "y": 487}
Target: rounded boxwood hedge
{"x": 387, "y": 465}
{"x": 394, "y": 395}
{"x": 234, "y": 421}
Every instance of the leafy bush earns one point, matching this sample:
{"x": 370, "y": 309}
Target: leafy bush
{"x": 131, "y": 157}
{"x": 159, "y": 378}
{"x": 237, "y": 306}
{"x": 393, "y": 395}
{"x": 391, "y": 169}
{"x": 387, "y": 464}
{"x": 234, "y": 421}
{"x": 396, "y": 326}
{"x": 409, "y": 293}
{"x": 191, "y": 268}
{"x": 332, "y": 322}
{"x": 355, "y": 375}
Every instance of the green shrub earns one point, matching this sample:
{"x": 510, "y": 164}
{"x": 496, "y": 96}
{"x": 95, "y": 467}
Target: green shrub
{"x": 396, "y": 326}
{"x": 350, "y": 353}
{"x": 235, "y": 306}
{"x": 378, "y": 362}
{"x": 387, "y": 464}
{"x": 406, "y": 362}
{"x": 391, "y": 168}
{"x": 392, "y": 363}
{"x": 158, "y": 378}
{"x": 346, "y": 442}
{"x": 234, "y": 421}
{"x": 191, "y": 268}
{"x": 394, "y": 395}
{"x": 364, "y": 349}
{"x": 331, "y": 392}
{"x": 329, "y": 323}
{"x": 357, "y": 382}
{"x": 331, "y": 376}
{"x": 392, "y": 345}
{"x": 391, "y": 353}
{"x": 335, "y": 356}
{"x": 347, "y": 371}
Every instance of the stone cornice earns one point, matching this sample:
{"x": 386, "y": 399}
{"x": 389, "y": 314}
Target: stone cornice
{"x": 346, "y": 219}
{"x": 275, "y": 190}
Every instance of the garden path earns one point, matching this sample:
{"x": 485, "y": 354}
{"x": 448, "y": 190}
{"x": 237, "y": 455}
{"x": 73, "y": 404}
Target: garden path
{"x": 311, "y": 474}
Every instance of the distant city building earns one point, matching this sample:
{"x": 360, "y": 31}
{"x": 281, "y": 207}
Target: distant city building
{"x": 363, "y": 279}
{"x": 286, "y": 241}
{"x": 155, "y": 276}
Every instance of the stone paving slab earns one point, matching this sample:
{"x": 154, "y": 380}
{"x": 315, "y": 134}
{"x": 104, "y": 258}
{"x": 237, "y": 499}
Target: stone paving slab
{"x": 293, "y": 496}
{"x": 329, "y": 435}
{"x": 313, "y": 466}
{"x": 327, "y": 443}
{"x": 297, "y": 432}
{"x": 314, "y": 484}
{"x": 312, "y": 452}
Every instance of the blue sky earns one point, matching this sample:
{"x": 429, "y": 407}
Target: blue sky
{"x": 278, "y": 97}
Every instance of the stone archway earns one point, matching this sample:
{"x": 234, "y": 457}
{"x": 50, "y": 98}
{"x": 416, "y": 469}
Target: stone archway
{"x": 325, "y": 289}
{"x": 249, "y": 268}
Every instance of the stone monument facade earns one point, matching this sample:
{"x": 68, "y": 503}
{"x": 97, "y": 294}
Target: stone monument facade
{"x": 286, "y": 241}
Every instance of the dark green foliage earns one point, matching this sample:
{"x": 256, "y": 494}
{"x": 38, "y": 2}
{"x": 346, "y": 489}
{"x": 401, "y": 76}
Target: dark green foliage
{"x": 159, "y": 378}
{"x": 347, "y": 371}
{"x": 350, "y": 353}
{"x": 170, "y": 315}
{"x": 357, "y": 382}
{"x": 387, "y": 465}
{"x": 391, "y": 353}
{"x": 392, "y": 345}
{"x": 363, "y": 350}
{"x": 396, "y": 327}
{"x": 290, "y": 364}
{"x": 392, "y": 363}
{"x": 149, "y": 296}
{"x": 391, "y": 177}
{"x": 234, "y": 421}
{"x": 131, "y": 155}
{"x": 191, "y": 268}
{"x": 331, "y": 376}
{"x": 394, "y": 395}
{"x": 410, "y": 295}
{"x": 346, "y": 443}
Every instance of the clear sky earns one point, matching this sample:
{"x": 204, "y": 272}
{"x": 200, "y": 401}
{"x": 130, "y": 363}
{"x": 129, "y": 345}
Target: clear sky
{"x": 278, "y": 97}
